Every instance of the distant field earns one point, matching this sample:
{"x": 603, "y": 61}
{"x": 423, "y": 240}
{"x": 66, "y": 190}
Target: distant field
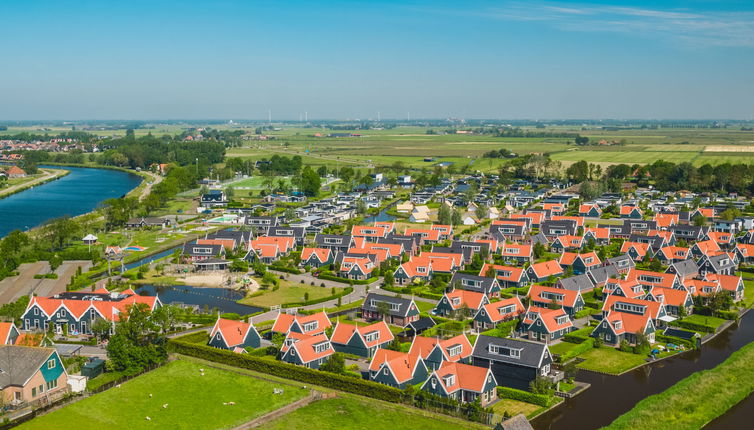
{"x": 194, "y": 402}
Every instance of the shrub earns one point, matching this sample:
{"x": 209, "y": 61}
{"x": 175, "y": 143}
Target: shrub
{"x": 523, "y": 396}
{"x": 577, "y": 350}
{"x": 291, "y": 371}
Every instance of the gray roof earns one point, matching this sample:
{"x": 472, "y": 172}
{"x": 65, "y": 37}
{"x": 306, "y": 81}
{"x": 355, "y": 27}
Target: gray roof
{"x": 721, "y": 262}
{"x": 684, "y": 268}
{"x": 532, "y": 353}
{"x": 19, "y": 363}
{"x": 621, "y": 261}
{"x": 600, "y": 275}
{"x": 404, "y": 304}
{"x": 518, "y": 422}
{"x": 485, "y": 283}
{"x": 577, "y": 283}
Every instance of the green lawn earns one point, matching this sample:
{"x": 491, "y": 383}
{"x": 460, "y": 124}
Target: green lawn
{"x": 610, "y": 360}
{"x": 748, "y": 300}
{"x": 288, "y": 293}
{"x": 350, "y": 412}
{"x": 562, "y": 347}
{"x": 696, "y": 400}
{"x": 515, "y": 407}
{"x": 194, "y": 401}
{"x": 705, "y": 320}
{"x": 424, "y": 306}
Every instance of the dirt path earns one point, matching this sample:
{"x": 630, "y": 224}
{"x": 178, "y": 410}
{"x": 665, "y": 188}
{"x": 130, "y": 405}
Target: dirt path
{"x": 156, "y": 179}
{"x": 13, "y": 287}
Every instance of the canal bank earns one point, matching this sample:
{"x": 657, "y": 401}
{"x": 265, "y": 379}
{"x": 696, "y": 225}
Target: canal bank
{"x": 611, "y": 396}
{"x": 47, "y": 176}
{"x": 80, "y": 191}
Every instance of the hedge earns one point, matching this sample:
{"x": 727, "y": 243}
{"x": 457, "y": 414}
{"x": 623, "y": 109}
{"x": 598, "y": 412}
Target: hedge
{"x": 198, "y": 337}
{"x": 577, "y": 350}
{"x": 284, "y": 269}
{"x": 334, "y": 278}
{"x": 693, "y": 326}
{"x": 661, "y": 338}
{"x": 346, "y": 291}
{"x": 289, "y": 371}
{"x": 728, "y": 315}
{"x": 523, "y": 396}
{"x": 431, "y": 296}
{"x": 579, "y": 336}
{"x": 594, "y": 304}
{"x": 583, "y": 313}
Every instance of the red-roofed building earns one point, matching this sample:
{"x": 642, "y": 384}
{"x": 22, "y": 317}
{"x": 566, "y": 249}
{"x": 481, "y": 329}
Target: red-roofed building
{"x": 672, "y": 254}
{"x": 636, "y": 250}
{"x": 397, "y": 369}
{"x": 492, "y": 314}
{"x": 370, "y": 233}
{"x": 308, "y": 351}
{"x": 618, "y": 326}
{"x": 590, "y": 211}
{"x": 362, "y": 341}
{"x": 541, "y": 272}
{"x": 317, "y": 257}
{"x": 305, "y": 324}
{"x": 231, "y": 334}
{"x": 545, "y": 325}
{"x": 468, "y": 302}
{"x": 580, "y": 263}
{"x": 543, "y": 296}
{"x": 463, "y": 382}
{"x": 733, "y": 284}
{"x": 435, "y": 351}
{"x": 520, "y": 253}
{"x": 507, "y": 276}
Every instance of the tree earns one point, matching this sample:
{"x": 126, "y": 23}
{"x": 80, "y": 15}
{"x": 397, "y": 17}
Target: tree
{"x": 384, "y": 309}
{"x": 456, "y": 218}
{"x": 60, "y": 230}
{"x": 541, "y": 385}
{"x": 137, "y": 342}
{"x": 335, "y": 364}
{"x": 310, "y": 182}
{"x": 388, "y": 278}
{"x": 444, "y": 215}
{"x": 322, "y": 171}
{"x": 699, "y": 220}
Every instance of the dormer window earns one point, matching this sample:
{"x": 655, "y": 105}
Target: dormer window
{"x": 372, "y": 336}
{"x": 456, "y": 301}
{"x": 455, "y": 350}
{"x": 310, "y": 326}
{"x": 449, "y": 380}
{"x": 617, "y": 324}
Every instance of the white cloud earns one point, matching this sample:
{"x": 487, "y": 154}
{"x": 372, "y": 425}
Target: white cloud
{"x": 735, "y": 29}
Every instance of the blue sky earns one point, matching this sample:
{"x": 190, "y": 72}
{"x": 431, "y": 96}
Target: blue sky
{"x": 227, "y": 59}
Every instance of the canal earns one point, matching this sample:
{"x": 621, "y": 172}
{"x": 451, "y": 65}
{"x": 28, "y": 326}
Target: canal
{"x": 611, "y": 396}
{"x": 79, "y": 192}
{"x": 223, "y": 299}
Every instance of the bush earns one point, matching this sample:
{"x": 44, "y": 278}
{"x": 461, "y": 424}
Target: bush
{"x": 282, "y": 268}
{"x": 290, "y": 371}
{"x": 728, "y": 315}
{"x": 694, "y": 326}
{"x": 523, "y": 396}
{"x": 346, "y": 291}
{"x": 583, "y": 313}
{"x": 577, "y": 350}
{"x": 579, "y": 336}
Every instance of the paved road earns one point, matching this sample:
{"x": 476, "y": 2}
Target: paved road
{"x": 16, "y": 286}
{"x": 156, "y": 179}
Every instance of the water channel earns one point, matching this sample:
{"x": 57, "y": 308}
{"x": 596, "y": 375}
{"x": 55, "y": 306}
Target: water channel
{"x": 611, "y": 396}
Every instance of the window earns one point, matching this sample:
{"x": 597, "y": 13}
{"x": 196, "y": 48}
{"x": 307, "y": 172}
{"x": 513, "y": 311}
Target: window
{"x": 321, "y": 347}
{"x": 507, "y": 309}
{"x": 51, "y": 364}
{"x": 455, "y": 350}
{"x": 310, "y": 326}
{"x": 34, "y": 392}
{"x": 449, "y": 380}
{"x": 372, "y": 336}
{"x": 36, "y": 311}
{"x": 52, "y": 384}
{"x": 384, "y": 372}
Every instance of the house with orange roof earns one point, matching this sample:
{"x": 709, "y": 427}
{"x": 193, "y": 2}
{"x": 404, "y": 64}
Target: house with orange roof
{"x": 305, "y": 324}
{"x": 733, "y": 284}
{"x": 370, "y": 232}
{"x": 234, "y": 335}
{"x": 76, "y": 312}
{"x": 516, "y": 252}
{"x": 655, "y": 309}
{"x": 446, "y": 231}
{"x": 507, "y": 276}
{"x": 435, "y": 351}
{"x": 463, "y": 382}
{"x": 14, "y": 172}
{"x": 577, "y": 219}
{"x": 631, "y": 212}
{"x": 397, "y": 369}
{"x": 723, "y": 239}
{"x": 228, "y": 243}
{"x": 624, "y": 288}
{"x": 8, "y": 333}
{"x": 580, "y": 262}
{"x": 492, "y": 314}
{"x": 598, "y": 235}
{"x": 618, "y": 326}
{"x": 590, "y": 211}
{"x": 650, "y": 279}
{"x": 541, "y": 272}
{"x": 357, "y": 268}
{"x": 363, "y": 341}
{"x": 308, "y": 351}
{"x": 543, "y": 296}
{"x": 554, "y": 208}
{"x": 701, "y": 287}
{"x": 426, "y": 236}
{"x": 545, "y": 325}
{"x": 317, "y": 257}
{"x": 535, "y": 218}
{"x": 638, "y": 251}
{"x": 708, "y": 213}
{"x": 460, "y": 301}
{"x": 672, "y": 254}
{"x": 745, "y": 252}
{"x": 665, "y": 220}
{"x": 270, "y": 248}
{"x": 567, "y": 243}
{"x": 673, "y": 299}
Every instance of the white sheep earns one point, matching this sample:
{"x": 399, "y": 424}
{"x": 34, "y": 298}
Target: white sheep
{"x": 117, "y": 386}
{"x": 150, "y": 395}
{"x": 201, "y": 370}
{"x": 165, "y": 406}
{"x": 149, "y": 419}
{"x": 231, "y": 403}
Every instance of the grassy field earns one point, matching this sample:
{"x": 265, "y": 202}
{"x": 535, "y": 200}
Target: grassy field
{"x": 515, "y": 407}
{"x": 350, "y": 412}
{"x": 705, "y": 320}
{"x": 194, "y": 401}
{"x": 696, "y": 400}
{"x": 610, "y": 360}
{"x": 288, "y": 293}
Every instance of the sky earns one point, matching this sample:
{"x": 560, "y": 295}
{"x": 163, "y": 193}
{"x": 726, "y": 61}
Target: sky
{"x": 235, "y": 59}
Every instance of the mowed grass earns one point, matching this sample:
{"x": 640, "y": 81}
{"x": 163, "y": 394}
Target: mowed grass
{"x": 697, "y": 399}
{"x": 289, "y": 293}
{"x": 350, "y": 413}
{"x": 515, "y": 407}
{"x": 194, "y": 401}
{"x": 610, "y": 360}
